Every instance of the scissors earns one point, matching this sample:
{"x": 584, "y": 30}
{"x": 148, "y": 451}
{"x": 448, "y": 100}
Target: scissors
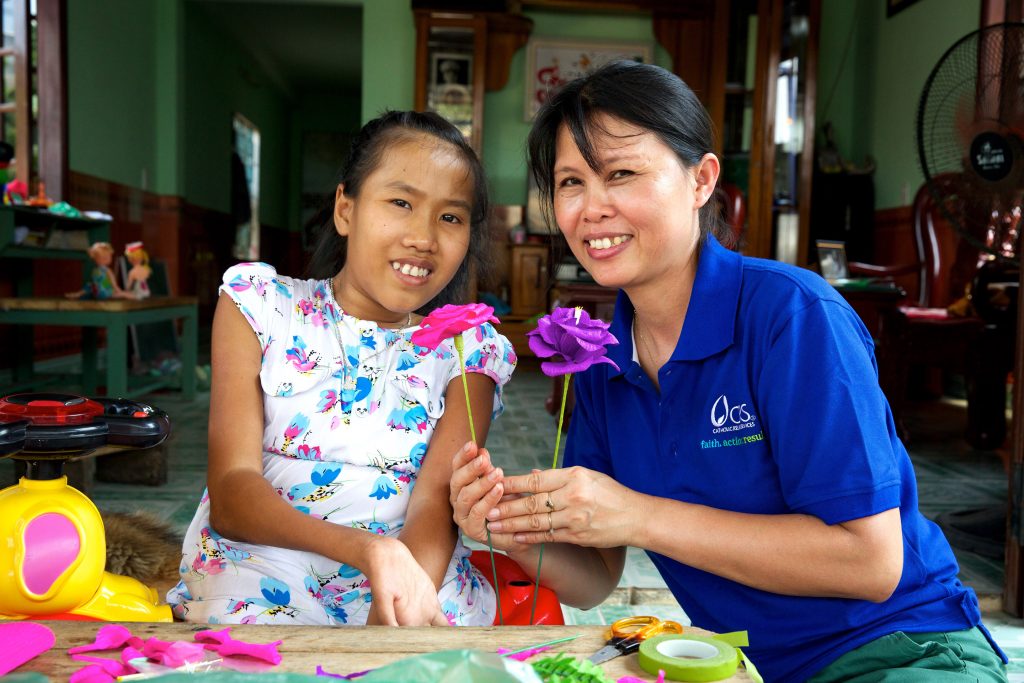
{"x": 625, "y": 635}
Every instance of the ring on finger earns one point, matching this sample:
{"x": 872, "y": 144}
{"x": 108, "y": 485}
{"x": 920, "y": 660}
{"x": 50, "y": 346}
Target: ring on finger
{"x": 549, "y": 504}
{"x": 551, "y": 522}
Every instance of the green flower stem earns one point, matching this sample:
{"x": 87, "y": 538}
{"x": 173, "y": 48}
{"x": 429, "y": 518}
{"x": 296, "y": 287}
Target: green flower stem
{"x": 472, "y": 433}
{"x": 554, "y": 465}
{"x": 465, "y": 385}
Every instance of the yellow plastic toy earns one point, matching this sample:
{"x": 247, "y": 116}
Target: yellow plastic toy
{"x": 52, "y": 541}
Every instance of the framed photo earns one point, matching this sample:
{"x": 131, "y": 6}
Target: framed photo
{"x": 896, "y": 6}
{"x": 551, "y": 64}
{"x": 832, "y": 260}
{"x": 451, "y": 77}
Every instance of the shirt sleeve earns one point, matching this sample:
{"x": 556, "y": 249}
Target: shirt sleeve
{"x": 828, "y": 423}
{"x": 489, "y": 353}
{"x": 253, "y": 288}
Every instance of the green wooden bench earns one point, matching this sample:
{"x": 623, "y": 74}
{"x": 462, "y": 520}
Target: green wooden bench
{"x": 114, "y": 315}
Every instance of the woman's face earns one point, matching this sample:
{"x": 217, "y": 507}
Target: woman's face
{"x": 634, "y": 220}
{"x": 408, "y": 230}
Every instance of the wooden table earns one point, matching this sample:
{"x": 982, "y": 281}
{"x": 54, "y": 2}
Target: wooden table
{"x": 346, "y": 650}
{"x": 115, "y": 315}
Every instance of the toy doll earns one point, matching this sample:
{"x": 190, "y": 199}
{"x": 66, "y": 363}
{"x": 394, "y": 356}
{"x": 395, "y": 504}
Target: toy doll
{"x": 101, "y": 283}
{"x": 137, "y": 286}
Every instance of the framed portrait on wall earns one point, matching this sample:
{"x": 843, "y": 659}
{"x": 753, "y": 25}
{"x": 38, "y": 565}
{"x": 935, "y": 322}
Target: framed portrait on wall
{"x": 551, "y": 64}
{"x": 450, "y": 91}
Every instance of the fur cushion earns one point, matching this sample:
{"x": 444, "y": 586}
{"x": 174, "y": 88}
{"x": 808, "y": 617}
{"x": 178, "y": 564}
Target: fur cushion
{"x": 142, "y": 546}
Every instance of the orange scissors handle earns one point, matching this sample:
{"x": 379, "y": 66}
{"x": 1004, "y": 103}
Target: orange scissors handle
{"x": 642, "y": 628}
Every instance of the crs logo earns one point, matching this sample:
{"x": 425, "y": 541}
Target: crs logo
{"x": 737, "y": 416}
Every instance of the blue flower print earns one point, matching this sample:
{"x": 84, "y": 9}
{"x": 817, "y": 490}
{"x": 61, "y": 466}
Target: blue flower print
{"x": 379, "y": 528}
{"x": 282, "y": 289}
{"x": 366, "y": 338}
{"x": 301, "y": 360}
{"x": 328, "y": 397}
{"x": 337, "y": 612}
{"x": 408, "y": 416}
{"x": 347, "y": 571}
{"x": 407, "y": 360}
{"x": 416, "y": 455}
{"x": 325, "y": 473}
{"x": 383, "y": 488}
{"x": 276, "y": 592}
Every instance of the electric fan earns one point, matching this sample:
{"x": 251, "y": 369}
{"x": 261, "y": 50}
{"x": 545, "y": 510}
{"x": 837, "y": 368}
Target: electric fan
{"x": 970, "y": 141}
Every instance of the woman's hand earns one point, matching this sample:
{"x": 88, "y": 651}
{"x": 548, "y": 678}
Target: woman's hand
{"x": 573, "y": 505}
{"x": 403, "y": 593}
{"x": 475, "y": 489}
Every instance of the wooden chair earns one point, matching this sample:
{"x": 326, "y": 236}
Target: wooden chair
{"x": 924, "y": 333}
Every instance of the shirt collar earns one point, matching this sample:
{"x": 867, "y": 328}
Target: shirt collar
{"x": 710, "y": 318}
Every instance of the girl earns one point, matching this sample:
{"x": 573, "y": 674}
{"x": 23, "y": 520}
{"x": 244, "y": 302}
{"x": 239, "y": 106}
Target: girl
{"x": 323, "y": 482}
{"x": 743, "y": 441}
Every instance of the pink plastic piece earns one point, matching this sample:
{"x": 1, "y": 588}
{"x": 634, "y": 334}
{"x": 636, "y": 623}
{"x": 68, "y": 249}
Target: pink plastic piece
{"x": 109, "y": 637}
{"x": 525, "y": 654}
{"x": 100, "y": 669}
{"x": 172, "y": 654}
{"x": 93, "y": 673}
{"x": 51, "y": 546}
{"x": 634, "y": 679}
{"x": 223, "y": 644}
{"x": 22, "y": 642}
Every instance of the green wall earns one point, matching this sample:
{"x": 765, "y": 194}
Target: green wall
{"x": 389, "y": 56}
{"x": 222, "y": 79}
{"x": 878, "y": 85}
{"x": 505, "y": 129}
{"x": 112, "y": 102}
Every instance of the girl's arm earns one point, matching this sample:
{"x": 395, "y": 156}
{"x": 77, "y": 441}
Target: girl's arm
{"x": 429, "y": 531}
{"x": 581, "y": 577}
{"x": 791, "y": 554}
{"x": 244, "y": 506}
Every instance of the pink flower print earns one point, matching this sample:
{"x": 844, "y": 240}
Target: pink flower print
{"x": 305, "y": 452}
{"x": 298, "y": 425}
{"x": 249, "y": 619}
{"x": 301, "y": 360}
{"x": 239, "y": 284}
{"x": 238, "y": 606}
{"x": 305, "y": 306}
{"x": 213, "y": 565}
{"x": 261, "y": 288}
{"x": 328, "y": 399}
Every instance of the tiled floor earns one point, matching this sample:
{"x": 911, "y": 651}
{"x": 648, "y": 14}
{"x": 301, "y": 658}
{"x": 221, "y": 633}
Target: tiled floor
{"x": 951, "y": 476}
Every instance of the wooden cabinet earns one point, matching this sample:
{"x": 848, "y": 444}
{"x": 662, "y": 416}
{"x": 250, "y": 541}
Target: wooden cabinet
{"x": 528, "y": 278}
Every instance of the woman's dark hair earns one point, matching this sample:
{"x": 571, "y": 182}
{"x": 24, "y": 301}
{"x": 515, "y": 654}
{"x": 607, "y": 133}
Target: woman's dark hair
{"x": 644, "y": 95}
{"x": 368, "y": 149}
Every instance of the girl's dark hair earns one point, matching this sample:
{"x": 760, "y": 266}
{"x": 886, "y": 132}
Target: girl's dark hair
{"x": 368, "y": 149}
{"x": 644, "y": 95}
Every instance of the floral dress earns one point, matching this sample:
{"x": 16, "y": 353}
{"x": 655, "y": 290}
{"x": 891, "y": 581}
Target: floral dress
{"x": 349, "y": 408}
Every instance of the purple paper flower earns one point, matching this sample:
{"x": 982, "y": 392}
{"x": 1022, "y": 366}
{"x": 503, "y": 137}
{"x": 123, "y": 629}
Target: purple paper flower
{"x": 574, "y": 338}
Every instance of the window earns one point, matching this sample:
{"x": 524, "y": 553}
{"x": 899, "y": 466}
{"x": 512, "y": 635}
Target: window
{"x": 245, "y": 189}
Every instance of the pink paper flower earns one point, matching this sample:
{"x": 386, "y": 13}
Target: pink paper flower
{"x": 573, "y": 338}
{"x": 223, "y": 644}
{"x": 450, "y": 320}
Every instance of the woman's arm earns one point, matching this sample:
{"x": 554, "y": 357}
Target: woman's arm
{"x": 428, "y": 531}
{"x": 790, "y": 554}
{"x": 244, "y": 506}
{"x": 581, "y": 577}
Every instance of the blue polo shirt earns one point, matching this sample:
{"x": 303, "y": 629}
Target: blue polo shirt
{"x": 770, "y": 404}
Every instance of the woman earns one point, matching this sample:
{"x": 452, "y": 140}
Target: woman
{"x": 744, "y": 441}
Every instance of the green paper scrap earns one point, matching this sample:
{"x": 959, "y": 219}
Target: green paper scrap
{"x": 564, "y": 668}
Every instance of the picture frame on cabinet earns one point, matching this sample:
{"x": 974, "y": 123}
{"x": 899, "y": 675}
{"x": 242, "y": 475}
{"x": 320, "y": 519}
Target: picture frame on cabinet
{"x": 553, "y": 63}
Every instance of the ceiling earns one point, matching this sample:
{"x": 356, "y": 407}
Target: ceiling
{"x": 303, "y": 45}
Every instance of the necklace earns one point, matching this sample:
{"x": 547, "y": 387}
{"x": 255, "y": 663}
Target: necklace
{"x": 643, "y": 341}
{"x": 334, "y": 295}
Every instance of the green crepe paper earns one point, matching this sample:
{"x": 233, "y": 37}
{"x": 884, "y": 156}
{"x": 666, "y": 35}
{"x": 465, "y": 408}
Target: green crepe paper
{"x": 447, "y": 666}
{"x": 564, "y": 668}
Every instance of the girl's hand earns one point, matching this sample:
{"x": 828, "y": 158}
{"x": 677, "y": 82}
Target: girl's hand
{"x": 475, "y": 489}
{"x": 403, "y": 594}
{"x": 573, "y": 505}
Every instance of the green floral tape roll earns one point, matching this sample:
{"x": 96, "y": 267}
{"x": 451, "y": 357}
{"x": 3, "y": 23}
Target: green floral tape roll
{"x": 688, "y": 658}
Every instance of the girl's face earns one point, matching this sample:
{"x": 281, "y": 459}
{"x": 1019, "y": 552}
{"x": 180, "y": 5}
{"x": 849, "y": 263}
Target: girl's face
{"x": 408, "y": 230}
{"x": 103, "y": 257}
{"x": 634, "y": 221}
